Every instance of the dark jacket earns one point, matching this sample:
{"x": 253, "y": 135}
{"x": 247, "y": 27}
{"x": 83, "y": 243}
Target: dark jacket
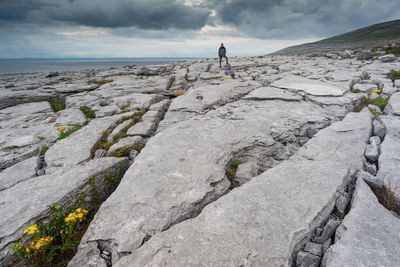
{"x": 222, "y": 51}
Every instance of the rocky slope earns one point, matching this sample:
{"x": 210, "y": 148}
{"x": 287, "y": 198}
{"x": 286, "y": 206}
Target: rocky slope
{"x": 260, "y": 163}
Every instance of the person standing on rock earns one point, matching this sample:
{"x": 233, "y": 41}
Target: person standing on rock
{"x": 221, "y": 54}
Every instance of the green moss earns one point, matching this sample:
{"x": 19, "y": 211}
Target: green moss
{"x": 125, "y": 106}
{"x": 355, "y": 91}
{"x": 379, "y": 102}
{"x": 56, "y": 103}
{"x": 25, "y": 126}
{"x": 231, "y": 171}
{"x": 100, "y": 83}
{"x": 364, "y": 102}
{"x": 393, "y": 75}
{"x": 124, "y": 151}
{"x": 88, "y": 112}
{"x": 297, "y": 74}
{"x": 41, "y": 137}
{"x": 44, "y": 150}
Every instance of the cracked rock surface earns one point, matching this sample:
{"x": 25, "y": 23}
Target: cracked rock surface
{"x": 241, "y": 165}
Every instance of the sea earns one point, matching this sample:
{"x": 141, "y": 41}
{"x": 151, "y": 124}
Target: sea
{"x": 14, "y": 66}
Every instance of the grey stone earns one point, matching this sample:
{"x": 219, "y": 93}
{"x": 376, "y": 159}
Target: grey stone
{"x": 375, "y": 108}
{"x": 339, "y": 232}
{"x": 372, "y": 152}
{"x": 310, "y": 87}
{"x": 307, "y": 259}
{"x": 394, "y": 104}
{"x": 99, "y": 153}
{"x": 118, "y": 129}
{"x": 313, "y": 248}
{"x": 271, "y": 93}
{"x": 40, "y": 172}
{"x": 287, "y": 197}
{"x": 70, "y": 116}
{"x": 29, "y": 200}
{"x": 372, "y": 234}
{"x": 246, "y": 171}
{"x": 124, "y": 143}
{"x": 389, "y": 167}
{"x": 379, "y": 128}
{"x": 369, "y": 167}
{"x": 365, "y": 55}
{"x": 20, "y": 172}
{"x": 373, "y": 181}
{"x": 76, "y": 148}
{"x": 133, "y": 154}
{"x": 375, "y": 140}
{"x": 329, "y": 230}
{"x": 387, "y": 58}
{"x": 326, "y": 245}
{"x": 342, "y": 203}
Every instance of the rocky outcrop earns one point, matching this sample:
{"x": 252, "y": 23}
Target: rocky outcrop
{"x": 251, "y": 164}
{"x": 370, "y": 236}
{"x": 259, "y": 223}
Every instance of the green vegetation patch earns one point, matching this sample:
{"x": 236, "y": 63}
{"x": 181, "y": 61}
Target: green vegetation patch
{"x": 393, "y": 50}
{"x": 124, "y": 151}
{"x": 44, "y": 150}
{"x": 88, "y": 112}
{"x": 231, "y": 171}
{"x": 100, "y": 83}
{"x": 57, "y": 103}
{"x": 355, "y": 91}
{"x": 393, "y": 75}
{"x": 364, "y": 102}
{"x": 65, "y": 134}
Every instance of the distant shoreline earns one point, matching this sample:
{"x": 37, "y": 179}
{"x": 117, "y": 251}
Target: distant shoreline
{"x": 42, "y": 65}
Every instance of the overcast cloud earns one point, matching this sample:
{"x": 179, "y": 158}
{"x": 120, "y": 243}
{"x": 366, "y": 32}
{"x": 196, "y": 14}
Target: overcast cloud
{"x": 135, "y": 28}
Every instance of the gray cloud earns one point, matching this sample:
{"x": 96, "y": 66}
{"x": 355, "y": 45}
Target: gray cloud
{"x": 143, "y": 14}
{"x": 291, "y": 19}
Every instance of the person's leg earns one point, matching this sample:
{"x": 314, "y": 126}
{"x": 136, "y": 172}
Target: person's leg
{"x": 226, "y": 59}
{"x": 220, "y": 60}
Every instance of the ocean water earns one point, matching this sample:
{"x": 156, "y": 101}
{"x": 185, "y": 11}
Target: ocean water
{"x": 9, "y": 66}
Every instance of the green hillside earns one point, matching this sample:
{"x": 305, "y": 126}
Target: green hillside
{"x": 368, "y": 37}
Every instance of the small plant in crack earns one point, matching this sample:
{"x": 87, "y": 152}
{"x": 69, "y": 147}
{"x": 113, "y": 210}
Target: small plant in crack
{"x": 387, "y": 198}
{"x": 231, "y": 172}
{"x": 88, "y": 112}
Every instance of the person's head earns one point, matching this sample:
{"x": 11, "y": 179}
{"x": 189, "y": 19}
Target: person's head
{"x": 222, "y": 44}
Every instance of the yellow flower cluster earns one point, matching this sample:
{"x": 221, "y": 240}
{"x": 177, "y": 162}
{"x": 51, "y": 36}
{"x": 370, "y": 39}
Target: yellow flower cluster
{"x": 77, "y": 215}
{"x": 31, "y": 229}
{"x": 38, "y": 243}
{"x": 223, "y": 78}
{"x": 61, "y": 128}
{"x": 377, "y": 91}
{"x": 178, "y": 93}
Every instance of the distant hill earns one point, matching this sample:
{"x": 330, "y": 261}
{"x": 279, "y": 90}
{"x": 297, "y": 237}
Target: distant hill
{"x": 368, "y": 37}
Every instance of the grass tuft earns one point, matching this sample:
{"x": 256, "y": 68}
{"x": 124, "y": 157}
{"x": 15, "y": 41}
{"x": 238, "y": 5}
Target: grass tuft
{"x": 88, "y": 112}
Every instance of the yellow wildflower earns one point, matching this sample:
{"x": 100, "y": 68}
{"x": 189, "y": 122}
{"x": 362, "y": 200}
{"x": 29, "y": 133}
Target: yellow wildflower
{"x": 27, "y": 250}
{"x": 223, "y": 78}
{"x": 370, "y": 93}
{"x": 61, "y": 128}
{"x": 31, "y": 230}
{"x": 71, "y": 217}
{"x": 42, "y": 242}
{"x": 377, "y": 91}
{"x": 178, "y": 93}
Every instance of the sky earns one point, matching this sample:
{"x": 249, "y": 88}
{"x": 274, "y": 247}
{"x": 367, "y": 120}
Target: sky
{"x": 176, "y": 28}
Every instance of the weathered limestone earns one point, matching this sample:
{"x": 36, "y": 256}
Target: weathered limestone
{"x": 389, "y": 159}
{"x": 70, "y": 116}
{"x": 271, "y": 93}
{"x": 32, "y": 199}
{"x": 76, "y": 148}
{"x": 394, "y": 104}
{"x": 125, "y": 142}
{"x": 244, "y": 221}
{"x": 18, "y": 173}
{"x": 371, "y": 235}
{"x": 315, "y": 88}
